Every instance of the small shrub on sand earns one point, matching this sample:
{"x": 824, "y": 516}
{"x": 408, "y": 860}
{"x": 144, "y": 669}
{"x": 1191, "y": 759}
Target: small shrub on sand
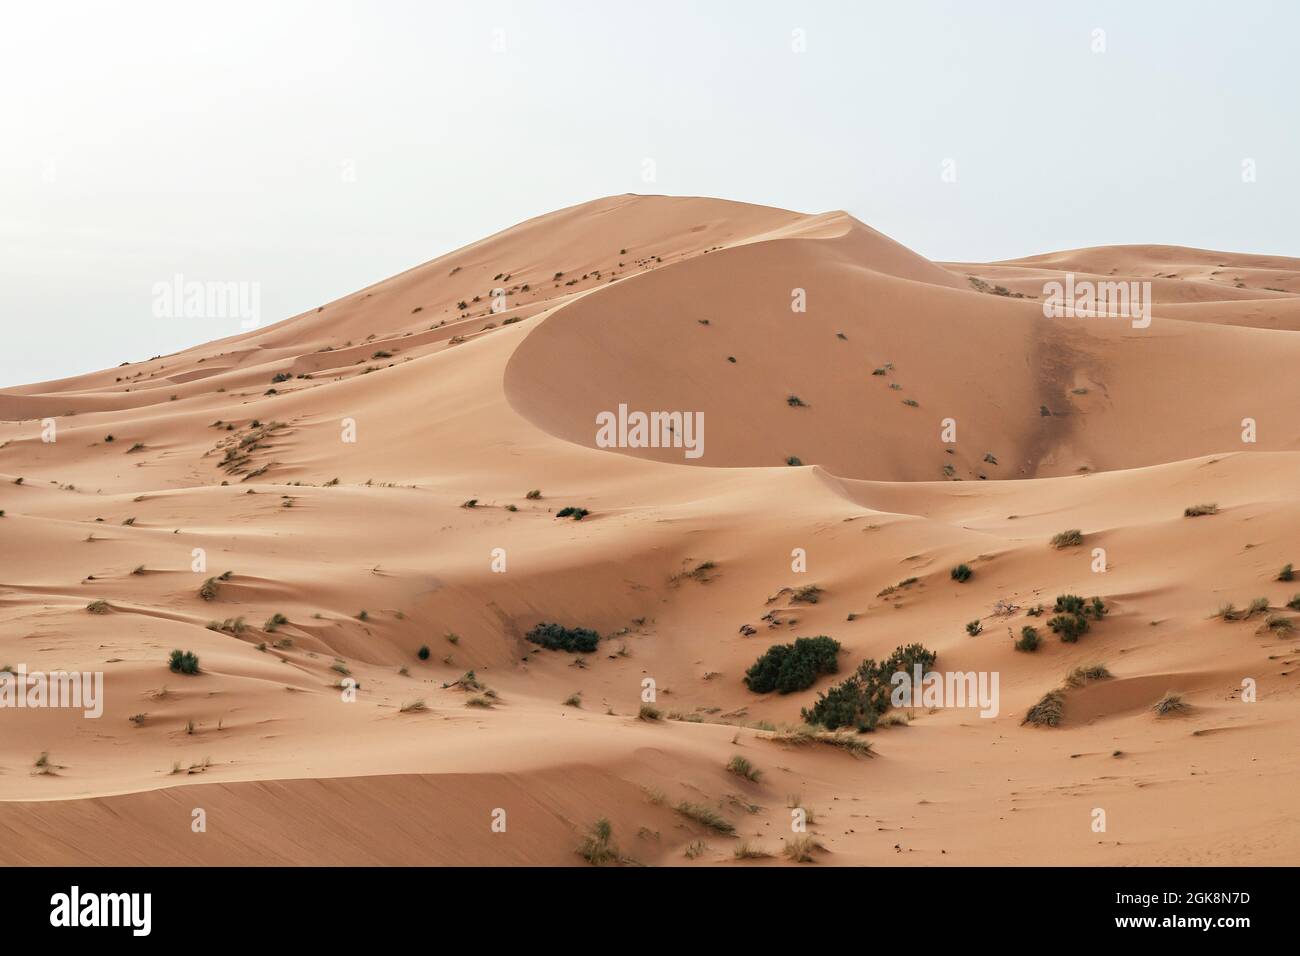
{"x": 1069, "y": 627}
{"x": 1067, "y": 539}
{"x": 1257, "y": 606}
{"x": 1170, "y": 705}
{"x": 743, "y": 768}
{"x": 414, "y": 707}
{"x": 274, "y": 622}
{"x": 648, "y": 712}
{"x": 534, "y": 495}
{"x": 97, "y": 607}
{"x": 962, "y": 573}
{"x": 183, "y": 662}
{"x": 706, "y": 816}
{"x": 750, "y": 851}
{"x": 1196, "y": 511}
{"x": 696, "y": 849}
{"x": 597, "y": 847}
{"x": 423, "y": 652}
{"x": 1286, "y": 574}
{"x": 573, "y": 700}
{"x": 1294, "y": 603}
{"x": 1082, "y": 676}
{"x": 974, "y": 627}
{"x": 577, "y": 514}
{"x": 208, "y": 589}
{"x": 800, "y": 849}
{"x": 793, "y": 462}
{"x": 1048, "y": 711}
{"x": 1028, "y": 639}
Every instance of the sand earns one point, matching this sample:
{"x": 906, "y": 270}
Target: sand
{"x": 1070, "y": 423}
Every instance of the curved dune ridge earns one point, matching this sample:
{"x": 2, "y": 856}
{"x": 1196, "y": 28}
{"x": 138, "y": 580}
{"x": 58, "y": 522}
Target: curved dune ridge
{"x": 233, "y": 461}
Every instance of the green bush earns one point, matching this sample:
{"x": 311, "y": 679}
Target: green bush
{"x": 423, "y": 652}
{"x": 577, "y": 514}
{"x": 1069, "y": 627}
{"x": 790, "y": 667}
{"x": 961, "y": 574}
{"x": 1028, "y": 639}
{"x": 183, "y": 662}
{"x": 557, "y": 638}
{"x": 860, "y": 700}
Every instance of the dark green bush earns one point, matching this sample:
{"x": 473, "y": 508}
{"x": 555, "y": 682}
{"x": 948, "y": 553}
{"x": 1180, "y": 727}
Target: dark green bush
{"x": 961, "y": 573}
{"x": 557, "y": 638}
{"x": 183, "y": 662}
{"x": 789, "y": 667}
{"x": 1028, "y": 639}
{"x": 860, "y": 700}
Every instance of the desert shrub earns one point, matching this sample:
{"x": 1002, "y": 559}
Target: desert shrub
{"x": 749, "y": 851}
{"x": 577, "y": 514}
{"x": 1195, "y": 511}
{"x": 279, "y": 377}
{"x": 786, "y": 668}
{"x": 793, "y": 461}
{"x": 423, "y": 652}
{"x": 534, "y": 495}
{"x": 1286, "y": 574}
{"x": 273, "y": 622}
{"x": 1067, "y": 539}
{"x": 743, "y": 768}
{"x": 1257, "y": 606}
{"x": 208, "y": 590}
{"x": 1170, "y": 704}
{"x": 1294, "y": 603}
{"x": 1081, "y": 676}
{"x": 1069, "y": 627}
{"x": 800, "y": 849}
{"x": 962, "y": 573}
{"x": 183, "y": 662}
{"x": 596, "y": 847}
{"x": 557, "y": 638}
{"x": 648, "y": 712}
{"x": 974, "y": 627}
{"x": 706, "y": 816}
{"x": 1028, "y": 639}
{"x": 97, "y": 607}
{"x": 859, "y": 700}
{"x": 1048, "y": 711}
{"x": 794, "y": 401}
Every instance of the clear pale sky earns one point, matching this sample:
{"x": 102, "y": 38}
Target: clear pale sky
{"x": 317, "y": 146}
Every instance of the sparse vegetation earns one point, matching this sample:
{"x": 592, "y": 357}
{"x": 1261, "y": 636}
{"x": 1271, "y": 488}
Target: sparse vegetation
{"x": 98, "y": 607}
{"x": 423, "y": 652}
{"x": 1286, "y": 574}
{"x": 741, "y": 767}
{"x": 1170, "y": 704}
{"x": 534, "y": 495}
{"x": 597, "y": 846}
{"x": 706, "y": 816}
{"x": 274, "y": 622}
{"x": 648, "y": 712}
{"x": 1196, "y": 511}
{"x": 749, "y": 851}
{"x": 974, "y": 627}
{"x": 414, "y": 707}
{"x": 1084, "y": 675}
{"x": 800, "y": 849}
{"x": 577, "y": 514}
{"x": 962, "y": 573}
{"x": 793, "y": 462}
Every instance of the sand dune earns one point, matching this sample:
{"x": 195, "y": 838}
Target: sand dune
{"x": 239, "y": 448}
